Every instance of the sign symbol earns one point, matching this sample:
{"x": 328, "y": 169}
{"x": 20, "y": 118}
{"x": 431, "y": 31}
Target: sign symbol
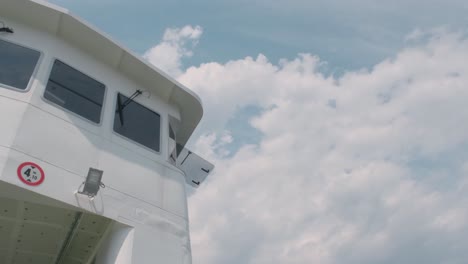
{"x": 30, "y": 173}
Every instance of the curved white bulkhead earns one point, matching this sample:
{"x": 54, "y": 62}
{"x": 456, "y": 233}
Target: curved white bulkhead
{"x": 71, "y": 100}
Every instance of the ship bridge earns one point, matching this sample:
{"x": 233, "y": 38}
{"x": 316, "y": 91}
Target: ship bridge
{"x": 93, "y": 159}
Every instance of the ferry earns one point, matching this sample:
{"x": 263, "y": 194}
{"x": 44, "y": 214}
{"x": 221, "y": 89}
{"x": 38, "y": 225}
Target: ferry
{"x": 93, "y": 163}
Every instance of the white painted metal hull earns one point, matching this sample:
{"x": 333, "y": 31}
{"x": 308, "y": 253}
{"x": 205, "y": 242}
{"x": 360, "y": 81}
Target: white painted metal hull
{"x": 145, "y": 229}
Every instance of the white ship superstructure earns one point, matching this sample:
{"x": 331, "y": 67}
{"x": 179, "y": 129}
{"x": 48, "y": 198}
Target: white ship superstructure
{"x": 93, "y": 167}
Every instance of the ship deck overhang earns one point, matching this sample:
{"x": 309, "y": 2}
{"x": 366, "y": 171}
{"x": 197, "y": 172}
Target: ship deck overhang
{"x": 39, "y": 230}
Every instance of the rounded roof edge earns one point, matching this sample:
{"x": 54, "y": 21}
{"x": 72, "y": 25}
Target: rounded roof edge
{"x": 79, "y": 33}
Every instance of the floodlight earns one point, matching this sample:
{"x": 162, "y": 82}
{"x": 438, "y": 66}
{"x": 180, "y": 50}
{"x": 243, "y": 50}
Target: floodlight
{"x": 92, "y": 183}
{"x": 5, "y": 29}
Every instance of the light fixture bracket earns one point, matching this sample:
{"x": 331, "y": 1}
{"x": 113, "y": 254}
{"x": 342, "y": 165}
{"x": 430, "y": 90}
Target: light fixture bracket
{"x": 93, "y": 183}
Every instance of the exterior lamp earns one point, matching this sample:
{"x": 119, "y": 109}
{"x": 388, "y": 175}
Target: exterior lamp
{"x": 5, "y": 29}
{"x": 92, "y": 183}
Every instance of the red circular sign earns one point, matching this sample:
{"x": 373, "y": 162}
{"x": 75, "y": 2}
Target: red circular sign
{"x": 30, "y": 173}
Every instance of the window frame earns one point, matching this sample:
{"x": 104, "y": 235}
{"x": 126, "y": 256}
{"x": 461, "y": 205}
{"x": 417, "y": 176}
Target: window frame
{"x": 129, "y": 140}
{"x": 34, "y": 72}
{"x": 103, "y": 108}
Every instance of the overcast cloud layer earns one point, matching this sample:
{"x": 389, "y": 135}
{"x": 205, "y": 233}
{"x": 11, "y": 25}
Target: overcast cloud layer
{"x": 371, "y": 167}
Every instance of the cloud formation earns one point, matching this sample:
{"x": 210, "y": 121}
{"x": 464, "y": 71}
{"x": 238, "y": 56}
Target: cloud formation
{"x": 370, "y": 167}
{"x": 176, "y": 45}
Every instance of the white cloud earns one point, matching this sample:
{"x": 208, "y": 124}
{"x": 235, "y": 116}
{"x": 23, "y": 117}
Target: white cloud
{"x": 175, "y": 46}
{"x": 377, "y": 176}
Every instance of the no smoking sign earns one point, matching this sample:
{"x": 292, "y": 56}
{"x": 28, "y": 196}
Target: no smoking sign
{"x": 30, "y": 173}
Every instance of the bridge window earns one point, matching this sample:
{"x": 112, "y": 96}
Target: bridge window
{"x": 174, "y": 148}
{"x": 75, "y": 91}
{"x": 17, "y": 65}
{"x": 172, "y": 145}
{"x": 136, "y": 122}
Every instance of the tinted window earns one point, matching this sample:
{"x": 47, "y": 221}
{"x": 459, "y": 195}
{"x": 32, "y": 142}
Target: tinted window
{"x": 75, "y": 91}
{"x": 172, "y": 145}
{"x": 136, "y": 122}
{"x": 17, "y": 64}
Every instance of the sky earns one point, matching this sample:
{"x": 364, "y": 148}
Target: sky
{"x": 338, "y": 128}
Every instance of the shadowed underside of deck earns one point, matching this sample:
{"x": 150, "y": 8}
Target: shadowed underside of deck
{"x": 39, "y": 231}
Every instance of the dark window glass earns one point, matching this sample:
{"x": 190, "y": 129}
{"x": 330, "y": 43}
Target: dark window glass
{"x": 171, "y": 133}
{"x": 17, "y": 64}
{"x": 172, "y": 145}
{"x": 136, "y": 122}
{"x": 75, "y": 91}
